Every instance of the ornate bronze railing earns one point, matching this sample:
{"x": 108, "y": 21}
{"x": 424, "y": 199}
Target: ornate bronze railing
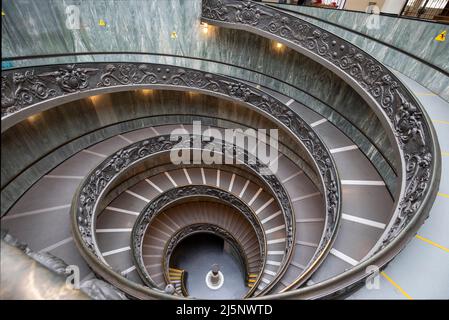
{"x": 27, "y": 91}
{"x": 212, "y": 229}
{"x": 97, "y": 183}
{"x": 174, "y": 196}
{"x": 407, "y": 124}
{"x": 30, "y": 90}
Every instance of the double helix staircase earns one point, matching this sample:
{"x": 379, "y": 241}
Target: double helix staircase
{"x": 117, "y": 208}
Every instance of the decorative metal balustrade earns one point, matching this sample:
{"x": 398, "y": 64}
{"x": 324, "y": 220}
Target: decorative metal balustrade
{"x": 30, "y": 90}
{"x": 407, "y": 124}
{"x": 172, "y": 197}
{"x": 95, "y": 186}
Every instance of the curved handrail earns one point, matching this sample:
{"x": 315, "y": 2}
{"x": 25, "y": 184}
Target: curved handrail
{"x": 6, "y": 125}
{"x": 210, "y": 229}
{"x": 172, "y": 197}
{"x": 189, "y": 230}
{"x": 31, "y": 90}
{"x": 97, "y": 183}
{"x": 151, "y": 54}
{"x": 408, "y": 125}
{"x": 366, "y": 35}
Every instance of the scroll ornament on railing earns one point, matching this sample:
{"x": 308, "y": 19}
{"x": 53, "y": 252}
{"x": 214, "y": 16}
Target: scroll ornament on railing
{"x": 42, "y": 83}
{"x": 405, "y": 117}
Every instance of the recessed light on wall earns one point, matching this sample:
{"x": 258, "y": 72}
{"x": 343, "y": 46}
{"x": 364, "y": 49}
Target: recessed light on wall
{"x": 205, "y": 27}
{"x": 33, "y": 118}
{"x": 147, "y": 91}
{"x": 94, "y": 99}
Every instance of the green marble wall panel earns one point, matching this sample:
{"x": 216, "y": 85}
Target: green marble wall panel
{"x": 414, "y": 37}
{"x": 83, "y": 123}
{"x": 114, "y": 114}
{"x": 39, "y": 27}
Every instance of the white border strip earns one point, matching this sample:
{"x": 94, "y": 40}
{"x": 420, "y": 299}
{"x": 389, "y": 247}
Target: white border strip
{"x": 129, "y": 270}
{"x": 138, "y": 196}
{"x": 114, "y": 230}
{"x": 108, "y": 253}
{"x": 343, "y": 257}
{"x": 317, "y": 123}
{"x": 254, "y": 197}
{"x": 266, "y": 204}
{"x": 306, "y": 196}
{"x": 244, "y": 189}
{"x": 367, "y": 222}
{"x": 134, "y": 213}
{"x": 56, "y": 245}
{"x": 94, "y": 153}
{"x": 51, "y": 176}
{"x": 29, "y": 213}
{"x": 187, "y": 175}
{"x": 173, "y": 182}
{"x": 292, "y": 176}
{"x": 151, "y": 183}
{"x": 343, "y": 149}
{"x": 274, "y": 215}
{"x": 125, "y": 138}
{"x": 362, "y": 183}
{"x": 275, "y": 229}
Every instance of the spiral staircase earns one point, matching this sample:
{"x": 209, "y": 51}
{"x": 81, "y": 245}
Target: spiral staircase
{"x": 110, "y": 201}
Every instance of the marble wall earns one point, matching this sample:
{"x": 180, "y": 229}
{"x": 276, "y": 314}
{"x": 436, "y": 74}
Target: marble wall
{"x": 37, "y": 145}
{"x": 412, "y": 36}
{"x": 41, "y": 27}
{"x": 25, "y": 279}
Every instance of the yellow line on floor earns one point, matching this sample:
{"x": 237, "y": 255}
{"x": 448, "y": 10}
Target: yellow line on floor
{"x": 445, "y": 154}
{"x": 440, "y": 121}
{"x": 441, "y": 194}
{"x": 433, "y": 243}
{"x": 396, "y": 285}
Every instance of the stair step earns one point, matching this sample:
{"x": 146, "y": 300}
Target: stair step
{"x": 252, "y": 278}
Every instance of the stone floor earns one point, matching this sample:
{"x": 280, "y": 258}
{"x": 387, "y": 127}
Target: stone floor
{"x": 196, "y": 255}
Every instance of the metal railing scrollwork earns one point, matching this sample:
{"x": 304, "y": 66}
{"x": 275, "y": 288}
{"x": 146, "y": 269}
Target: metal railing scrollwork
{"x": 30, "y": 90}
{"x": 407, "y": 124}
{"x": 93, "y": 189}
{"x": 174, "y": 196}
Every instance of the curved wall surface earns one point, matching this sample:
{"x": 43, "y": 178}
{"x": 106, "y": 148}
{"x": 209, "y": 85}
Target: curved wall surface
{"x": 401, "y": 44}
{"x": 37, "y": 145}
{"x": 326, "y": 215}
{"x": 157, "y": 21}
